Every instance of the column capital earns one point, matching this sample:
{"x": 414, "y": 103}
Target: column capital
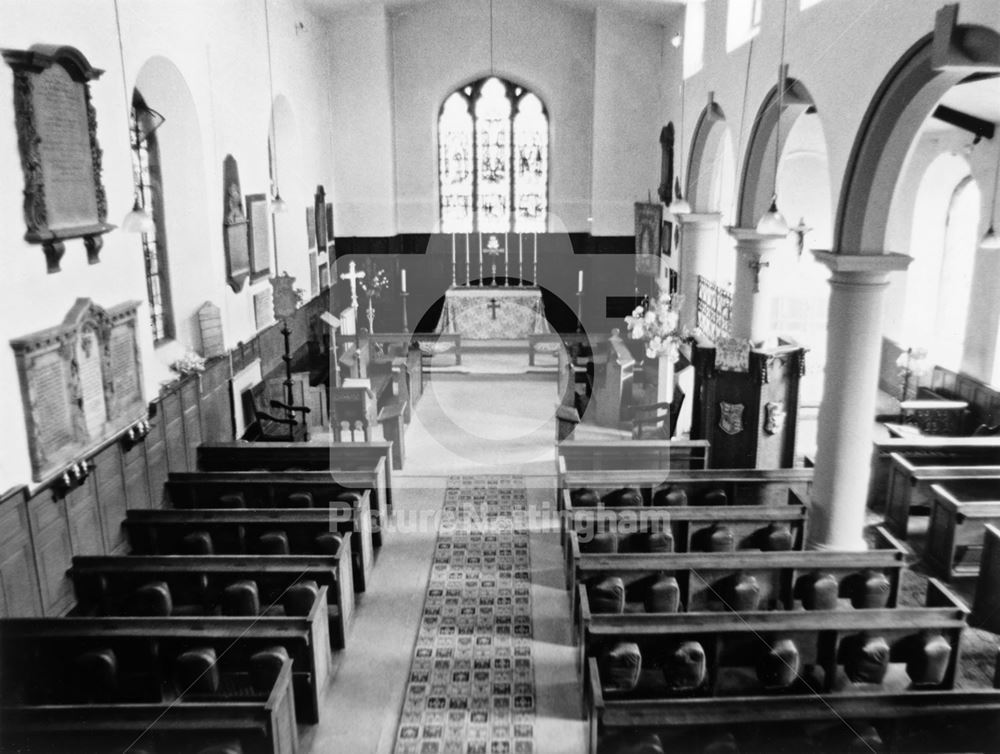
{"x": 862, "y": 269}
{"x": 698, "y": 219}
{"x": 748, "y": 239}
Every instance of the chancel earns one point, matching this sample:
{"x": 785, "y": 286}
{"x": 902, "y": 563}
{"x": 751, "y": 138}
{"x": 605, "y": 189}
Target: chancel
{"x": 529, "y": 376}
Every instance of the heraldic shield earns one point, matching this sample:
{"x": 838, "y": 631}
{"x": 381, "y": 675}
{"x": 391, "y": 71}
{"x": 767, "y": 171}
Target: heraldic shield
{"x": 731, "y": 417}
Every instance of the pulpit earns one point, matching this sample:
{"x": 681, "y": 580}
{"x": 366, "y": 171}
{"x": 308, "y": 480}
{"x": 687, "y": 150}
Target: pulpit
{"x": 746, "y": 402}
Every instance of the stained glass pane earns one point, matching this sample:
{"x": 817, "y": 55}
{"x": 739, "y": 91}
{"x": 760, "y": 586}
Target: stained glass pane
{"x": 493, "y": 157}
{"x": 455, "y": 165}
{"x": 531, "y": 165}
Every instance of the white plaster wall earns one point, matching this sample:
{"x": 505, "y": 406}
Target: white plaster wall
{"x": 226, "y": 74}
{"x": 547, "y": 47}
{"x": 627, "y": 94}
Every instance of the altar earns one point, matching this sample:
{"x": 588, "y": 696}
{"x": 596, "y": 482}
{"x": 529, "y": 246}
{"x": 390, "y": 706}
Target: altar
{"x": 493, "y": 313}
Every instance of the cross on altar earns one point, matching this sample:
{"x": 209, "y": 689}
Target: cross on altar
{"x": 353, "y": 276}
{"x": 493, "y": 306}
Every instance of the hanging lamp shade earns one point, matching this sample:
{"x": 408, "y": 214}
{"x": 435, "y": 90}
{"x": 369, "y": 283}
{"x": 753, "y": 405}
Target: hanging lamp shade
{"x": 138, "y": 220}
{"x": 772, "y": 222}
{"x": 278, "y": 204}
{"x": 991, "y": 240}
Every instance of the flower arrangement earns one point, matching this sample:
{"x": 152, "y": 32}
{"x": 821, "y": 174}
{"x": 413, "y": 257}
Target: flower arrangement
{"x": 189, "y": 363}
{"x": 374, "y": 282}
{"x": 657, "y": 322}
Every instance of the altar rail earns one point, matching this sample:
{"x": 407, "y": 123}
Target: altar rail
{"x": 715, "y": 309}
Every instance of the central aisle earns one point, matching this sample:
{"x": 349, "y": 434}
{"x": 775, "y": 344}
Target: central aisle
{"x": 480, "y": 443}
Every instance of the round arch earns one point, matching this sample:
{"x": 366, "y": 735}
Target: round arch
{"x": 286, "y": 169}
{"x": 710, "y": 132}
{"x": 757, "y": 182}
{"x": 904, "y": 99}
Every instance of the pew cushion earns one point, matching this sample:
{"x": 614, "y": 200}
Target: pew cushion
{"x": 670, "y": 496}
{"x": 600, "y": 543}
{"x": 820, "y": 592}
{"x": 718, "y": 538}
{"x": 625, "y": 497}
{"x": 723, "y": 743}
{"x": 866, "y": 658}
{"x": 97, "y": 674}
{"x": 265, "y": 666}
{"x": 152, "y": 600}
{"x": 871, "y": 591}
{"x": 780, "y": 665}
{"x": 715, "y": 497}
{"x": 300, "y": 500}
{"x": 659, "y": 542}
{"x": 685, "y": 667}
{"x": 584, "y": 498}
{"x": 274, "y": 543}
{"x": 232, "y": 500}
{"x": 329, "y": 543}
{"x": 607, "y": 595}
{"x": 300, "y": 597}
{"x": 241, "y": 598}
{"x": 196, "y": 671}
{"x": 745, "y": 595}
{"x": 197, "y": 543}
{"x": 928, "y": 660}
{"x": 663, "y": 595}
{"x": 777, "y": 538}
{"x": 622, "y": 667}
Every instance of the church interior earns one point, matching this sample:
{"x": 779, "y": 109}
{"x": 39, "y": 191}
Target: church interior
{"x": 499, "y": 376}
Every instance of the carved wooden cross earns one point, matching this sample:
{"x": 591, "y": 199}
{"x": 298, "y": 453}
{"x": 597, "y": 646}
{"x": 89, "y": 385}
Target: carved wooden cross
{"x": 493, "y": 306}
{"x": 353, "y": 276}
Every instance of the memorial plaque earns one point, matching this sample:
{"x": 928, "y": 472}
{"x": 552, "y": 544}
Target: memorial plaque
{"x": 81, "y": 383}
{"x": 311, "y": 227}
{"x": 319, "y": 207}
{"x": 60, "y": 156}
{"x": 234, "y": 227}
{"x": 263, "y": 308}
{"x": 210, "y": 322}
{"x": 313, "y": 275}
{"x": 260, "y": 238}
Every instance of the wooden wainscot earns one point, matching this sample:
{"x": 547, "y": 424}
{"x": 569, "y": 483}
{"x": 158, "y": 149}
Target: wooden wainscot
{"x": 60, "y": 157}
{"x": 81, "y": 383}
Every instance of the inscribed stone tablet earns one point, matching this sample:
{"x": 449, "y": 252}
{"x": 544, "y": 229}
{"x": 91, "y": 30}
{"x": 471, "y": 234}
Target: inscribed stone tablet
{"x": 50, "y": 401}
{"x": 124, "y": 370}
{"x": 90, "y": 374}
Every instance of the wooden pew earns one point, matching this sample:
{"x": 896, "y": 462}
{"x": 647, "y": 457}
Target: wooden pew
{"x": 951, "y": 451}
{"x": 263, "y": 725}
{"x": 310, "y": 456}
{"x": 986, "y": 605}
{"x": 674, "y": 455}
{"x": 906, "y": 721}
{"x": 103, "y": 583}
{"x": 613, "y": 383}
{"x": 910, "y": 480}
{"x": 828, "y": 651}
{"x": 31, "y": 644}
{"x": 266, "y": 496}
{"x": 959, "y": 511}
{"x": 689, "y": 527}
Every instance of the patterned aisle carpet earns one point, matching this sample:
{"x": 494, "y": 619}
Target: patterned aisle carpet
{"x": 471, "y": 688}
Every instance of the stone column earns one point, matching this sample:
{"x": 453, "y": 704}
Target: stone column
{"x": 699, "y": 239}
{"x": 752, "y": 289}
{"x": 847, "y": 411}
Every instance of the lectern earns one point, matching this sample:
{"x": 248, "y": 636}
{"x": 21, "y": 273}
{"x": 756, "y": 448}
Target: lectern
{"x": 746, "y": 402}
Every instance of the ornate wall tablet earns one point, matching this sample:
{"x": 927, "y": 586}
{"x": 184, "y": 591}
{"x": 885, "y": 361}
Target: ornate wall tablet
{"x": 81, "y": 383}
{"x": 235, "y": 238}
{"x": 60, "y": 157}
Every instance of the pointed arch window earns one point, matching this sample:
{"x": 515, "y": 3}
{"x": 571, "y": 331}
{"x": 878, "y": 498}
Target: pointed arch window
{"x": 493, "y": 159}
{"x": 149, "y": 187}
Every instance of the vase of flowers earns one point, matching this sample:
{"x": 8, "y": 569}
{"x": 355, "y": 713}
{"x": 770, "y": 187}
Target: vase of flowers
{"x": 656, "y": 322}
{"x": 373, "y": 283}
{"x": 912, "y": 364}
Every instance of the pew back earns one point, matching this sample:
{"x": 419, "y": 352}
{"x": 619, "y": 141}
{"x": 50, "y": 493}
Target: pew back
{"x": 959, "y": 512}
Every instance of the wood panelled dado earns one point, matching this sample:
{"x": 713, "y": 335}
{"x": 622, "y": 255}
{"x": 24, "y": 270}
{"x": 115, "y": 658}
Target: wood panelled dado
{"x": 18, "y": 573}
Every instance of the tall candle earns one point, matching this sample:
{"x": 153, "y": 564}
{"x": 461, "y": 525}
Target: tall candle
{"x": 579, "y": 281}
{"x": 404, "y": 280}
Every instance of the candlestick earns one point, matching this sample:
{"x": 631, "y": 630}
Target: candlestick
{"x": 468, "y": 272}
{"x": 480, "y": 259}
{"x": 534, "y": 276}
{"x": 453, "y": 259}
{"x": 579, "y": 309}
{"x": 520, "y": 258}
{"x": 506, "y": 261}
{"x": 404, "y": 280}
{"x": 406, "y": 325}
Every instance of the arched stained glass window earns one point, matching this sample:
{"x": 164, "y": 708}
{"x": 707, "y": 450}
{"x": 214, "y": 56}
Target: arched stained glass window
{"x": 493, "y": 159}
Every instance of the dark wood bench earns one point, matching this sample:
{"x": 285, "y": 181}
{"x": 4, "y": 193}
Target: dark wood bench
{"x": 31, "y": 645}
{"x": 959, "y": 512}
{"x": 622, "y": 455}
{"x": 689, "y": 527}
{"x": 105, "y": 584}
{"x": 767, "y": 658}
{"x": 268, "y": 494}
{"x": 309, "y": 456}
{"x": 910, "y": 480}
{"x": 986, "y": 605}
{"x": 949, "y": 451}
{"x": 263, "y": 724}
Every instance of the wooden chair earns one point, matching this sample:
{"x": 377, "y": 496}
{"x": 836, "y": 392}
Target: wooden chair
{"x": 651, "y": 421}
{"x": 266, "y": 427}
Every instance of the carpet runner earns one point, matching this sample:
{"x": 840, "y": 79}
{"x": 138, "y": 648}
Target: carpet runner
{"x": 471, "y": 688}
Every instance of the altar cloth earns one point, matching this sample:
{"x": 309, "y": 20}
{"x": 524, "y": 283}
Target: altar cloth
{"x": 490, "y": 313}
